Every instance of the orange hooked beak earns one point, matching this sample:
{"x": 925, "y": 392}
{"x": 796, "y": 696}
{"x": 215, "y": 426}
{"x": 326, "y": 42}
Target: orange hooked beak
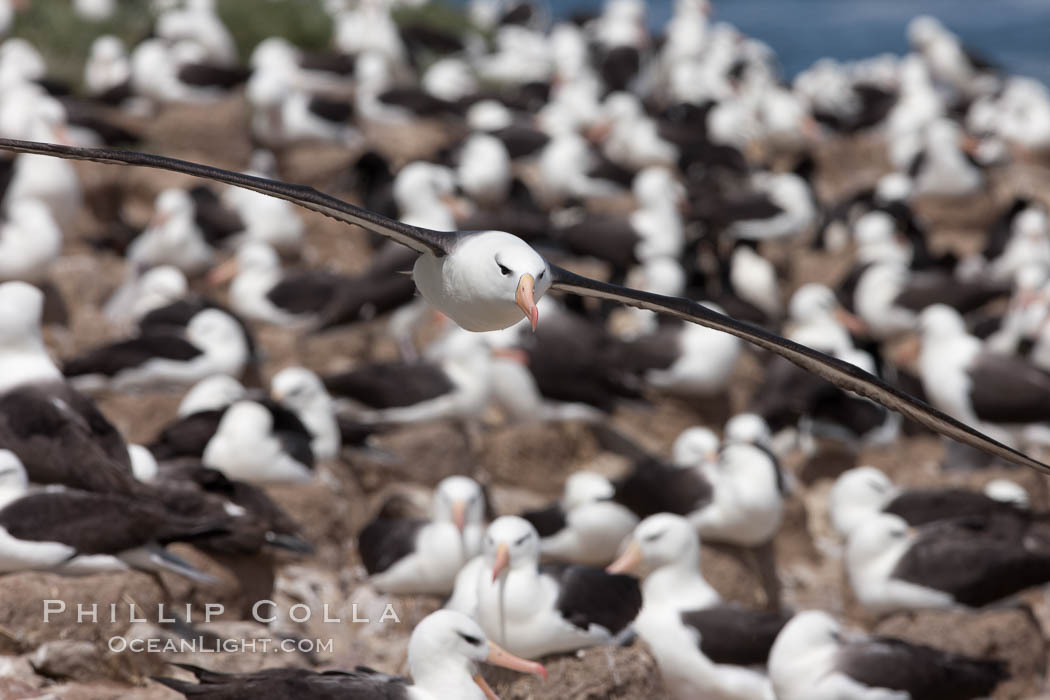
{"x": 628, "y": 561}
{"x": 223, "y": 273}
{"x": 499, "y": 656}
{"x": 502, "y": 561}
{"x": 852, "y": 323}
{"x": 525, "y": 300}
{"x": 459, "y": 515}
{"x": 62, "y": 135}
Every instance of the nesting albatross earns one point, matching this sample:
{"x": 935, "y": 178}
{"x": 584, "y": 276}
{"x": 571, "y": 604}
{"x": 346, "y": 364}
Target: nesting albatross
{"x": 487, "y": 280}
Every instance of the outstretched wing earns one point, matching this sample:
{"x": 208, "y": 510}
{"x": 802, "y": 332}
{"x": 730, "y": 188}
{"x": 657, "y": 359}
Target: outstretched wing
{"x": 420, "y": 239}
{"x": 842, "y": 374}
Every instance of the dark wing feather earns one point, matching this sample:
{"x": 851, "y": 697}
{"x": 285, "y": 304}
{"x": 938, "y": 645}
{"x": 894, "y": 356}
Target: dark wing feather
{"x": 99, "y": 523}
{"x": 422, "y": 240}
{"x": 655, "y": 487}
{"x": 842, "y": 374}
{"x": 383, "y": 543}
{"x": 178, "y": 314}
{"x": 110, "y": 360}
{"x": 521, "y": 141}
{"x": 187, "y": 436}
{"x": 732, "y": 634}
{"x": 206, "y": 75}
{"x": 294, "y": 436}
{"x": 607, "y": 238}
{"x": 305, "y": 292}
{"x": 290, "y": 684}
{"x": 926, "y": 506}
{"x": 103, "y": 433}
{"x": 976, "y": 560}
{"x": 336, "y": 111}
{"x": 589, "y": 596}
{"x": 924, "y": 672}
{"x": 62, "y": 438}
{"x": 1006, "y": 389}
{"x": 927, "y": 288}
{"x": 390, "y": 385}
{"x": 548, "y": 521}
{"x": 328, "y": 62}
{"x": 216, "y": 221}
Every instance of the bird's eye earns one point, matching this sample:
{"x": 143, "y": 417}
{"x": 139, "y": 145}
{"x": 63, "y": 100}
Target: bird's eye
{"x": 470, "y": 639}
{"x": 542, "y": 273}
{"x": 503, "y": 269}
{"x": 654, "y": 536}
{"x": 521, "y": 540}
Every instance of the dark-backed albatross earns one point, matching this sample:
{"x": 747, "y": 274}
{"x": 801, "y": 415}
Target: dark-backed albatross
{"x": 443, "y": 657}
{"x": 487, "y": 280}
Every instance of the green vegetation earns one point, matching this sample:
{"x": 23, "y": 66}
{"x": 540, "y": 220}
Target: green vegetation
{"x": 65, "y": 39}
{"x": 303, "y": 22}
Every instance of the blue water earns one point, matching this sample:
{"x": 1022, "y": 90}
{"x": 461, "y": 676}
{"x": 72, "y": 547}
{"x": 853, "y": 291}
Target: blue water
{"x": 1013, "y": 33}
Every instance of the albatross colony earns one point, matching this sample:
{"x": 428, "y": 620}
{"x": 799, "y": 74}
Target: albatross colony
{"x": 610, "y": 471}
{"x": 489, "y": 280}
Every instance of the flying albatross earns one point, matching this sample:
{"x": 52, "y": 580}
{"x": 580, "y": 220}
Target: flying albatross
{"x": 486, "y": 280}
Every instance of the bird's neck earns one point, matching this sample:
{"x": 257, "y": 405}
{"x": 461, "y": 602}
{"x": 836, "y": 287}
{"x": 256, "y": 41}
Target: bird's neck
{"x": 679, "y": 586}
{"x": 440, "y": 678}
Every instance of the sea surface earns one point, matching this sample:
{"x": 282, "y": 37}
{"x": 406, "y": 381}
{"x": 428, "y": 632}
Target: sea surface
{"x": 1013, "y": 33}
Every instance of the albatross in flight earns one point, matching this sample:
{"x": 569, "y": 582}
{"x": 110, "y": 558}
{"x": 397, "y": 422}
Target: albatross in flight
{"x": 486, "y": 280}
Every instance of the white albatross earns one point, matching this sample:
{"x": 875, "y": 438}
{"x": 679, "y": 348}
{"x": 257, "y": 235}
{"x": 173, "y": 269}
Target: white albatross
{"x": 486, "y": 280}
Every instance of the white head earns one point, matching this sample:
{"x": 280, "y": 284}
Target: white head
{"x": 165, "y": 282}
{"x": 445, "y": 650}
{"x": 212, "y": 393}
{"x": 21, "y": 310}
{"x": 257, "y": 257}
{"x": 246, "y": 419}
{"x": 585, "y": 487}
{"x": 489, "y": 115}
{"x": 804, "y": 651}
{"x": 497, "y": 277}
{"x": 894, "y": 187}
{"x": 33, "y": 217}
{"x": 748, "y": 428}
{"x": 108, "y": 48}
{"x": 857, "y": 495}
{"x": 657, "y": 187}
{"x": 450, "y": 79}
{"x": 662, "y": 274}
{"x": 213, "y": 330}
{"x": 695, "y": 446}
{"x": 484, "y": 167}
{"x": 458, "y": 500}
{"x": 143, "y": 463}
{"x": 811, "y": 303}
{"x": 658, "y": 541}
{"x": 510, "y": 543}
{"x": 1032, "y": 223}
{"x": 419, "y": 184}
{"x": 274, "y": 51}
{"x": 876, "y": 228}
{"x": 881, "y": 535}
{"x": 299, "y": 388}
{"x": 172, "y": 203}
{"x": 1007, "y": 491}
{"x": 13, "y": 478}
{"x": 924, "y": 30}
{"x": 941, "y": 322}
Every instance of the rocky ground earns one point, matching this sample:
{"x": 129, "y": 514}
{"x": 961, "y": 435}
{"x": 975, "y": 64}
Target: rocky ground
{"x": 524, "y": 466}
